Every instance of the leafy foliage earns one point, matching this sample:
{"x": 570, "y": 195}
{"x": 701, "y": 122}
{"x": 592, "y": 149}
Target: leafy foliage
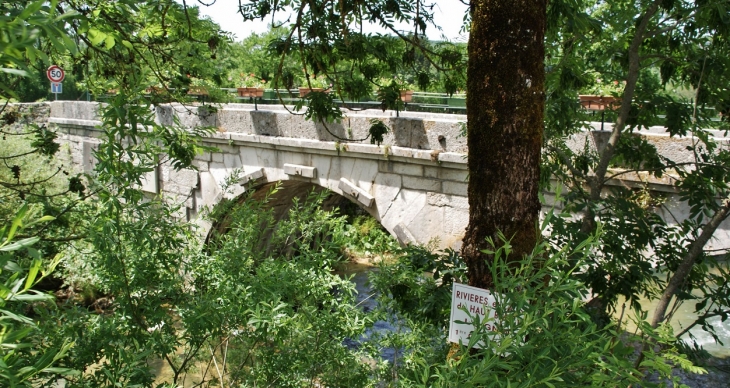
{"x": 377, "y": 130}
{"x": 262, "y": 296}
{"x": 289, "y": 313}
{"x": 663, "y": 60}
{"x": 21, "y": 363}
{"x": 365, "y": 237}
{"x": 543, "y": 329}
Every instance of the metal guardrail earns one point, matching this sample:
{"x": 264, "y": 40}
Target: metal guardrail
{"x": 421, "y": 100}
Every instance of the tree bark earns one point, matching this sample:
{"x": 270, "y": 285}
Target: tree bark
{"x": 505, "y": 108}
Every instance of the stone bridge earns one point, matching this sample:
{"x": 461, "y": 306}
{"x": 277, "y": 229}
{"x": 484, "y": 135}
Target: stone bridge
{"x": 414, "y": 184}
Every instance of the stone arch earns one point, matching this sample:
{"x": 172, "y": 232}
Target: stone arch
{"x": 282, "y": 200}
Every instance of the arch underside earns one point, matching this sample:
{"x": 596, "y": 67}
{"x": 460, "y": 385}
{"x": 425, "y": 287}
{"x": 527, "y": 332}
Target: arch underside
{"x": 280, "y": 196}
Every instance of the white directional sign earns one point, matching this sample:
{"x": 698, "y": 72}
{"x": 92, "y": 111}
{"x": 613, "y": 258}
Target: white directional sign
{"x": 478, "y": 302}
{"x": 55, "y": 74}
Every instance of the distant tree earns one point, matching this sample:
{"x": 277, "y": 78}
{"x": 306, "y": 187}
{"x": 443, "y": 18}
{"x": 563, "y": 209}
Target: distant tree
{"x": 252, "y": 56}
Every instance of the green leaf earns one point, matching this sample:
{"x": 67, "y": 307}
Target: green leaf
{"x": 13, "y": 316}
{"x": 20, "y": 244}
{"x": 70, "y": 44}
{"x": 42, "y": 219}
{"x": 30, "y": 9}
{"x": 30, "y": 53}
{"x": 62, "y": 371}
{"x": 50, "y": 267}
{"x": 96, "y": 36}
{"x": 32, "y": 273}
{"x": 18, "y": 72}
{"x": 15, "y": 335}
{"x": 109, "y": 42}
{"x": 12, "y": 267}
{"x": 31, "y": 297}
{"x": 17, "y": 222}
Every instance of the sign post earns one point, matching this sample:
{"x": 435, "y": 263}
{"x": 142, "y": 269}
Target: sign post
{"x": 56, "y": 75}
{"x": 478, "y": 302}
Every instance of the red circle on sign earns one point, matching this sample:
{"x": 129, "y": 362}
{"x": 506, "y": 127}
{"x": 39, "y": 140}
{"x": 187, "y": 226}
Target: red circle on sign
{"x": 55, "y": 74}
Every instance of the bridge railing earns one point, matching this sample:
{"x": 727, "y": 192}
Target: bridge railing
{"x": 421, "y": 101}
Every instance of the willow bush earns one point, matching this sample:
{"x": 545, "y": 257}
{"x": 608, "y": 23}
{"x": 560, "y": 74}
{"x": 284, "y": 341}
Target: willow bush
{"x": 544, "y": 337}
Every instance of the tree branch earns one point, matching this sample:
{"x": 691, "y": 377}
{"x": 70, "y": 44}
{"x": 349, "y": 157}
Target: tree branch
{"x": 597, "y": 182}
{"x": 695, "y": 250}
{"x": 567, "y": 162}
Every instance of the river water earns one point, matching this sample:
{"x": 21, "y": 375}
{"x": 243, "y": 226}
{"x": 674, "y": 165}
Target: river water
{"x": 683, "y": 317}
{"x": 366, "y": 300}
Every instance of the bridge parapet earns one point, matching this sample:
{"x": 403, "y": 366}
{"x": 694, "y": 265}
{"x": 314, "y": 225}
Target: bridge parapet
{"x": 425, "y": 131}
{"x": 412, "y": 130}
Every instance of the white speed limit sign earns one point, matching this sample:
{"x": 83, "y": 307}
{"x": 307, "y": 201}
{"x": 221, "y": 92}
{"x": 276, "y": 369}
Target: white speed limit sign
{"x": 55, "y": 74}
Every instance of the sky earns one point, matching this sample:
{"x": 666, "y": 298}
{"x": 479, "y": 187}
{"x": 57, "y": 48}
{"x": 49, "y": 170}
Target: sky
{"x": 448, "y": 14}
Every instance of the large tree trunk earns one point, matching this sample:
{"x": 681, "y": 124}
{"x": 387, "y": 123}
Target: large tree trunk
{"x": 505, "y": 107}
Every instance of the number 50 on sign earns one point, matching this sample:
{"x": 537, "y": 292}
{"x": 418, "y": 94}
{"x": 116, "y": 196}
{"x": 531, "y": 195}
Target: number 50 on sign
{"x": 55, "y": 74}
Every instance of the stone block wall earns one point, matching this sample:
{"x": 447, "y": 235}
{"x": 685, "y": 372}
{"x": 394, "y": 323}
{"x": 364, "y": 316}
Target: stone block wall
{"x": 412, "y": 130}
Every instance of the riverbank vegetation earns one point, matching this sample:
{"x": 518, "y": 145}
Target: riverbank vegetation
{"x": 259, "y": 304}
{"x": 100, "y": 279}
